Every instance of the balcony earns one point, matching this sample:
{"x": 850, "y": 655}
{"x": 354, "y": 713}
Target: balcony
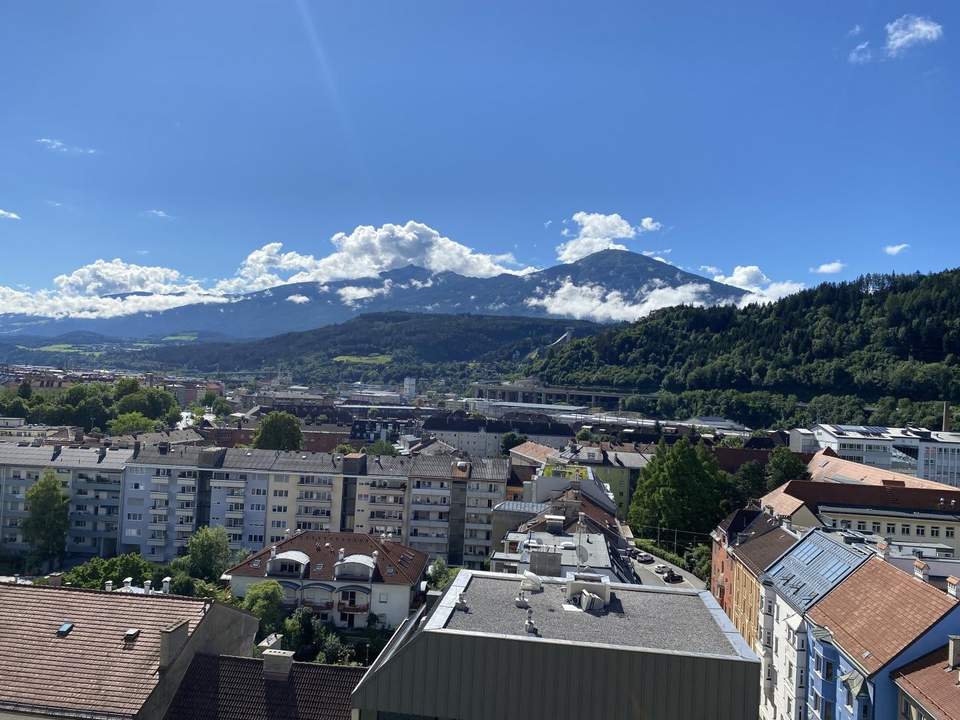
{"x": 319, "y": 605}
{"x": 185, "y": 495}
{"x": 157, "y": 542}
{"x": 160, "y": 480}
{"x": 158, "y": 494}
{"x": 157, "y": 525}
{"x": 234, "y": 514}
{"x": 354, "y": 608}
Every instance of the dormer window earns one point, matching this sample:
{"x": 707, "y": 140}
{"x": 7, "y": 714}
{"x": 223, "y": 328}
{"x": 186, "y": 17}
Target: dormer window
{"x": 289, "y": 568}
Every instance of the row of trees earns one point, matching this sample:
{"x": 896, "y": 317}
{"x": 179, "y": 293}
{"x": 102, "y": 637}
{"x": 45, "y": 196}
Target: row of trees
{"x": 122, "y": 407}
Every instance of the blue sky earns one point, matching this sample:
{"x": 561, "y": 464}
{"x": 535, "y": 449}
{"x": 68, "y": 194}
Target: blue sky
{"x": 181, "y": 137}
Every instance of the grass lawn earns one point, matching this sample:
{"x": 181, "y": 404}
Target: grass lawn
{"x": 364, "y": 359}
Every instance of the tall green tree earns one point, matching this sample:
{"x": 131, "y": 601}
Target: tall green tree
{"x": 132, "y": 422}
{"x": 278, "y": 431}
{"x": 45, "y": 527}
{"x": 208, "y": 550}
{"x": 265, "y": 600}
{"x": 783, "y": 466}
{"x": 25, "y": 390}
{"x": 751, "y": 480}
{"x": 681, "y": 488}
{"x": 380, "y": 447}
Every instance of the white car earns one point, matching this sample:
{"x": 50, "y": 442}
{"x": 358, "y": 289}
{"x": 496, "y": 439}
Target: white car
{"x": 644, "y": 557}
{"x": 660, "y": 569}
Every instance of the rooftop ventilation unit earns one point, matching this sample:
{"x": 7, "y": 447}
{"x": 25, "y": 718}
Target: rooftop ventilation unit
{"x": 130, "y": 635}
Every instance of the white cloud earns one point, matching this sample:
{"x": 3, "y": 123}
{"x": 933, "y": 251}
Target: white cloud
{"x": 547, "y": 224}
{"x": 759, "y": 287}
{"x": 648, "y": 224}
{"x": 363, "y": 253}
{"x": 162, "y": 214}
{"x": 593, "y": 302}
{"x": 854, "y": 31}
{"x": 55, "y": 145}
{"x": 111, "y": 277}
{"x": 353, "y": 295}
{"x": 298, "y": 299}
{"x": 710, "y": 269}
{"x": 829, "y": 268}
{"x": 896, "y": 249}
{"x": 861, "y": 54}
{"x": 599, "y": 232}
{"x": 909, "y": 30}
{"x": 8, "y": 215}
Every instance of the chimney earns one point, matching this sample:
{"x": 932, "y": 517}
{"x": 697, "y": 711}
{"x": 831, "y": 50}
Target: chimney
{"x": 883, "y": 549}
{"x": 946, "y": 417}
{"x": 146, "y": 586}
{"x": 787, "y": 523}
{"x": 55, "y": 579}
{"x": 108, "y": 586}
{"x": 273, "y": 551}
{"x": 172, "y": 640}
{"x": 166, "y": 585}
{"x": 277, "y": 664}
{"x": 953, "y": 651}
{"x": 921, "y": 571}
{"x": 340, "y": 555}
{"x": 127, "y": 582}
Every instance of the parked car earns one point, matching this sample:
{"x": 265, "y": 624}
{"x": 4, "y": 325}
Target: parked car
{"x": 672, "y": 577}
{"x": 643, "y": 557}
{"x": 660, "y": 568}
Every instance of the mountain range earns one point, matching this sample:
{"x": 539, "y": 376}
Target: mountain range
{"x": 610, "y": 285}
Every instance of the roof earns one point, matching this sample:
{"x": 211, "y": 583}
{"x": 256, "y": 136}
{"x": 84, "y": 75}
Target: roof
{"x": 397, "y": 564}
{"x": 58, "y": 457}
{"x": 534, "y": 451}
{"x": 443, "y": 466}
{"x": 90, "y": 670}
{"x": 459, "y": 422}
{"x": 877, "y": 611}
{"x": 638, "y": 616}
{"x": 759, "y": 552}
{"x": 520, "y": 506}
{"x": 738, "y": 520}
{"x": 813, "y": 567}
{"x": 931, "y": 682}
{"x": 827, "y": 467}
{"x": 233, "y": 688}
{"x": 594, "y": 546}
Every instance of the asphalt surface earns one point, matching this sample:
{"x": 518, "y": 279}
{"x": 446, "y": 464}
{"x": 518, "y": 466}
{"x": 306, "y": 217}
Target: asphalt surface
{"x": 649, "y": 577}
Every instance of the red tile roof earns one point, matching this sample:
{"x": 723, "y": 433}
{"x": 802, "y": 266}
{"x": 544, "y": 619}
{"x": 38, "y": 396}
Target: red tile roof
{"x": 931, "y": 682}
{"x": 397, "y": 564}
{"x": 827, "y": 467}
{"x": 90, "y": 671}
{"x": 534, "y": 451}
{"x": 233, "y": 688}
{"x": 877, "y": 611}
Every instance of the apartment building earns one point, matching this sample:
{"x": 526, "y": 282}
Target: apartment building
{"x": 928, "y": 454}
{"x": 791, "y": 587}
{"x": 343, "y": 577}
{"x": 482, "y": 437}
{"x": 928, "y": 687}
{"x": 450, "y": 506}
{"x": 91, "y": 477}
{"x": 437, "y": 504}
{"x": 498, "y": 646}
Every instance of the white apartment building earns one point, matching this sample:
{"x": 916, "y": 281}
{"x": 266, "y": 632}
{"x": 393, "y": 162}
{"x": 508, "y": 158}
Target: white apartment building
{"x": 928, "y": 454}
{"x": 92, "y": 477}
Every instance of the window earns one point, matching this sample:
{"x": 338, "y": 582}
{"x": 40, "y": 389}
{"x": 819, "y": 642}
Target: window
{"x": 134, "y": 517}
{"x": 258, "y": 491}
{"x": 827, "y": 709}
{"x": 817, "y": 662}
{"x": 848, "y": 697}
{"x": 875, "y": 528}
{"x": 948, "y": 531}
{"x": 861, "y": 526}
{"x": 383, "y": 597}
{"x": 921, "y": 530}
{"x": 891, "y": 529}
{"x": 827, "y": 670}
{"x": 904, "y": 529}
{"x": 279, "y": 508}
{"x": 934, "y": 531}
{"x": 281, "y": 493}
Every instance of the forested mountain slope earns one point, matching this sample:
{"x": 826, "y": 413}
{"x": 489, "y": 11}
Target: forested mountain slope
{"x": 878, "y": 336}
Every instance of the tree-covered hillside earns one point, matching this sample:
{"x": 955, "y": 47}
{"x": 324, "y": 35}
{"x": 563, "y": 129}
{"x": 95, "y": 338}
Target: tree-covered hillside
{"x": 384, "y": 346}
{"x": 880, "y": 335}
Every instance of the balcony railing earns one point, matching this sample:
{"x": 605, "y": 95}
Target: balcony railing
{"x": 348, "y": 608}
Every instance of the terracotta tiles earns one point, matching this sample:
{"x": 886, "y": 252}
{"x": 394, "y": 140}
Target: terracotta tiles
{"x": 91, "y": 669}
{"x": 933, "y": 684}
{"x": 878, "y": 610}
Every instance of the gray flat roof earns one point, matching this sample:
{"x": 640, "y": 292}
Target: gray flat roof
{"x": 666, "y": 619}
{"x": 594, "y": 544}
